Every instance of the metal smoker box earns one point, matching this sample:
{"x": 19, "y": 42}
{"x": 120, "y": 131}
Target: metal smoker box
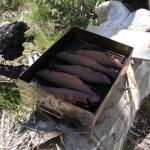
{"x": 76, "y": 38}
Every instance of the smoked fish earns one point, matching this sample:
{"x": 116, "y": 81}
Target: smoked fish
{"x": 65, "y": 80}
{"x": 84, "y": 73}
{"x": 101, "y": 58}
{"x": 69, "y": 95}
{"x": 77, "y": 59}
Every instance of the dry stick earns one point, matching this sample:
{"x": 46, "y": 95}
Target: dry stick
{"x": 34, "y": 114}
{"x": 27, "y": 126}
{"x": 140, "y": 131}
{"x": 43, "y": 138}
{"x": 75, "y": 132}
{"x": 37, "y": 133}
{"x": 134, "y": 133}
{"x": 12, "y": 147}
{"x": 13, "y": 132}
{"x": 62, "y": 141}
{"x": 133, "y": 141}
{"x": 39, "y": 137}
{"x": 58, "y": 148}
{"x": 29, "y": 143}
{"x": 50, "y": 112}
{"x": 81, "y": 132}
{"x": 7, "y": 133}
{"x": 9, "y": 147}
{"x": 32, "y": 129}
{"x": 2, "y": 127}
{"x": 23, "y": 138}
{"x": 11, "y": 138}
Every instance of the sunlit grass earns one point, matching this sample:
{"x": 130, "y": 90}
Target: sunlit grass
{"x": 10, "y": 100}
{"x": 9, "y": 95}
{"x": 44, "y": 41}
{"x": 13, "y": 4}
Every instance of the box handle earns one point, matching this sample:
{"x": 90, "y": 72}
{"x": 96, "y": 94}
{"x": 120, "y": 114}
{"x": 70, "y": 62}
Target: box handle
{"x": 50, "y": 111}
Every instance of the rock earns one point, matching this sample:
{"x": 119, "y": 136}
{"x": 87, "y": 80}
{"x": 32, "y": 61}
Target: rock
{"x": 12, "y": 36}
{"x": 138, "y": 20}
{"x": 114, "y": 16}
{"x": 3, "y": 24}
{"x": 111, "y": 16}
{"x": 137, "y": 39}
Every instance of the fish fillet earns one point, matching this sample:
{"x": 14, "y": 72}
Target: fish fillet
{"x": 84, "y": 73}
{"x": 65, "y": 80}
{"x": 76, "y": 59}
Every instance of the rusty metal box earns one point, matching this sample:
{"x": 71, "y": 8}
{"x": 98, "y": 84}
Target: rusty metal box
{"x": 75, "y": 38}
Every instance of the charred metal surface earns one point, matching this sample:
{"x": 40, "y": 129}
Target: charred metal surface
{"x": 12, "y": 71}
{"x": 12, "y": 36}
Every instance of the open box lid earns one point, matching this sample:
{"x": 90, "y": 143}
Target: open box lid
{"x": 141, "y": 53}
{"x": 140, "y": 41}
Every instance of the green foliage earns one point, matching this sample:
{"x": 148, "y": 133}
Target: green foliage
{"x": 13, "y": 4}
{"x": 44, "y": 41}
{"x": 45, "y": 16}
{"x": 40, "y": 12}
{"x": 67, "y": 12}
{"x": 9, "y": 95}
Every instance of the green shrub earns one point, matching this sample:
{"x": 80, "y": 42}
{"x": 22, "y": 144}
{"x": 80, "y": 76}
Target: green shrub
{"x": 67, "y": 12}
{"x": 13, "y": 4}
{"x": 44, "y": 41}
{"x": 40, "y": 12}
{"x": 9, "y": 95}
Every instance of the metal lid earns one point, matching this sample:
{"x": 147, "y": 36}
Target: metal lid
{"x": 140, "y": 41}
{"x": 141, "y": 53}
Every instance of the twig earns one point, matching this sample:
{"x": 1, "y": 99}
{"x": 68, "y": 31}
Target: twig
{"x": 27, "y": 127}
{"x": 81, "y": 132}
{"x": 58, "y": 115}
{"x": 9, "y": 147}
{"x": 140, "y": 130}
{"x": 2, "y": 127}
{"x": 134, "y": 133}
{"x": 29, "y": 143}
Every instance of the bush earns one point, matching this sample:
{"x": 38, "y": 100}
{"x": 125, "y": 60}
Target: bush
{"x": 9, "y": 95}
{"x": 13, "y": 4}
{"x": 40, "y": 12}
{"x": 67, "y": 12}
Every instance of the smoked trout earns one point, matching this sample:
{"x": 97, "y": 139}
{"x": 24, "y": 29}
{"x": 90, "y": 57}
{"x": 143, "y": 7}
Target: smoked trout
{"x": 84, "y": 73}
{"x": 65, "y": 80}
{"x": 85, "y": 61}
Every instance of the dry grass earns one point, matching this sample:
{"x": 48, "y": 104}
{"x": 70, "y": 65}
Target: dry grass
{"x": 35, "y": 131}
{"x": 139, "y": 135}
